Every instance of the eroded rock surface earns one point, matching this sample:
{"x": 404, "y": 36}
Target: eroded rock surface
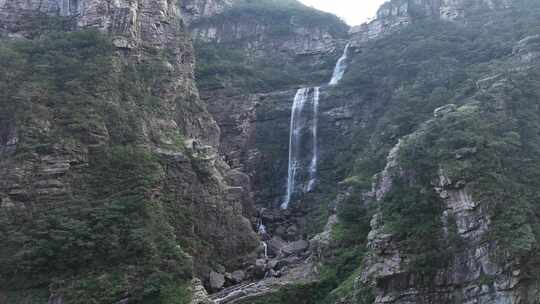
{"x": 396, "y": 14}
{"x": 211, "y": 201}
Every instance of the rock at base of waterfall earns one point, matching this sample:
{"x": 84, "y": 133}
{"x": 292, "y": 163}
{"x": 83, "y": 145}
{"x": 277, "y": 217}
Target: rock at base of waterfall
{"x": 259, "y": 270}
{"x": 292, "y": 232}
{"x": 217, "y": 280}
{"x": 275, "y": 246}
{"x": 272, "y": 264}
{"x": 295, "y": 248}
{"x": 238, "y": 276}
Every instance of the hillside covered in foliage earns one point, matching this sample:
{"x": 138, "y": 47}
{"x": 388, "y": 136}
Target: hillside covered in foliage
{"x": 145, "y": 159}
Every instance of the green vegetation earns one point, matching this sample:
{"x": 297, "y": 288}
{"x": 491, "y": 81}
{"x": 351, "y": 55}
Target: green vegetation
{"x": 501, "y": 166}
{"x": 490, "y": 142}
{"x": 109, "y": 238}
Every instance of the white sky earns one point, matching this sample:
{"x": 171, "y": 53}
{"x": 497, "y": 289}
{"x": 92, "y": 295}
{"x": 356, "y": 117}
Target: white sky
{"x": 354, "y": 12}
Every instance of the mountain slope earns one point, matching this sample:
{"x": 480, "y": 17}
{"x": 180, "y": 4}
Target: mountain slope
{"x": 111, "y": 187}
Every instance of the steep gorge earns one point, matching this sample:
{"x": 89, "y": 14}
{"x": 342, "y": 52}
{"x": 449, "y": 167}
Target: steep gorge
{"x": 414, "y": 58}
{"x": 119, "y": 184}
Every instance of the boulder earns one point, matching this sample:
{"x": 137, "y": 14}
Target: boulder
{"x": 292, "y": 232}
{"x": 444, "y": 110}
{"x": 275, "y": 245}
{"x": 295, "y": 248}
{"x": 217, "y": 280}
{"x": 260, "y": 269}
{"x": 272, "y": 264}
{"x": 238, "y": 276}
{"x": 274, "y": 273}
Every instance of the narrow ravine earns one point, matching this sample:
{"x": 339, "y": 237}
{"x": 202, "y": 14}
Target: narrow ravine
{"x": 284, "y": 262}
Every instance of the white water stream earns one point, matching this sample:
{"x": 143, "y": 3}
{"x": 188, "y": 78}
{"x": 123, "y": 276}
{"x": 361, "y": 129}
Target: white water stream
{"x": 297, "y": 125}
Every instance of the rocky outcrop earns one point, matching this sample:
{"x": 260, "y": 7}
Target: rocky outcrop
{"x": 217, "y": 280}
{"x": 302, "y": 273}
{"x": 133, "y": 26}
{"x": 476, "y": 274}
{"x": 301, "y": 41}
{"x": 396, "y": 14}
{"x": 193, "y": 10}
{"x": 253, "y": 26}
{"x": 253, "y": 130}
{"x": 527, "y": 49}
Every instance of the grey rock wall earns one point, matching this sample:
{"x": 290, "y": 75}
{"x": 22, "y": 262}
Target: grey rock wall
{"x": 396, "y": 14}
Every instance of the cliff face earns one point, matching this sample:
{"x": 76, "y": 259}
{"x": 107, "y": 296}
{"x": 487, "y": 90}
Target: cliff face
{"x": 303, "y": 40}
{"x": 252, "y": 58}
{"x": 112, "y": 154}
{"x": 395, "y": 14}
{"x": 193, "y": 10}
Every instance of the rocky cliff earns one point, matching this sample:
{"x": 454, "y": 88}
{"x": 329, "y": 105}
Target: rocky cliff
{"x": 436, "y": 179}
{"x": 395, "y": 14}
{"x": 193, "y": 10}
{"x": 112, "y": 188}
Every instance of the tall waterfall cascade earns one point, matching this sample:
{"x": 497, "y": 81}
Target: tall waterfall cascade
{"x": 340, "y": 68}
{"x": 294, "y": 143}
{"x": 315, "y": 151}
{"x": 300, "y": 121}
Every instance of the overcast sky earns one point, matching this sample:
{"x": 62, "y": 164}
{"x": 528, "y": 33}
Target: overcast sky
{"x": 354, "y": 12}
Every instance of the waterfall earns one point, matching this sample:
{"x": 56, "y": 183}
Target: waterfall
{"x": 296, "y": 128}
{"x": 261, "y": 230}
{"x": 314, "y": 130}
{"x": 341, "y": 65}
{"x": 265, "y": 250}
{"x": 294, "y": 143}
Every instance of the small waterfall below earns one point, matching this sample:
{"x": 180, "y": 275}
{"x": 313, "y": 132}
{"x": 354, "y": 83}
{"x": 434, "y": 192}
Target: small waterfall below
{"x": 261, "y": 230}
{"x": 265, "y": 250}
{"x": 297, "y": 126}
